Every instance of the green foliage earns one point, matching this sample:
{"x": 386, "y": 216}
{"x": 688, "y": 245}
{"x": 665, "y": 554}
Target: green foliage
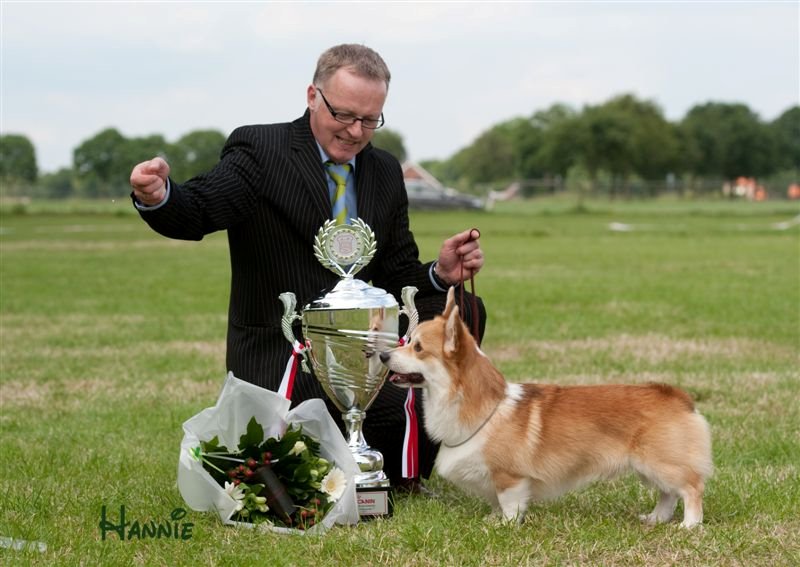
{"x": 193, "y": 154}
{"x": 546, "y": 148}
{"x": 294, "y": 466}
{"x": 254, "y": 435}
{"x": 625, "y": 139}
{"x": 18, "y": 169}
{"x": 391, "y": 141}
{"x": 97, "y": 163}
{"x": 489, "y": 157}
{"x": 727, "y": 140}
{"x": 103, "y": 163}
{"x": 786, "y": 132}
{"x": 57, "y": 185}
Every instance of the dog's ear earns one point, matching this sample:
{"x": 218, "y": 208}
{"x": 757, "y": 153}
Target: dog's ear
{"x": 451, "y": 302}
{"x": 452, "y": 328}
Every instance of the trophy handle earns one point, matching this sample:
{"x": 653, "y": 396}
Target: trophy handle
{"x": 409, "y": 309}
{"x": 289, "y": 316}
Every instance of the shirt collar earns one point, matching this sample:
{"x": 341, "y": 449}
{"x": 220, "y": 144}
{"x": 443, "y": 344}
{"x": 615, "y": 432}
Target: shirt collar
{"x": 324, "y": 157}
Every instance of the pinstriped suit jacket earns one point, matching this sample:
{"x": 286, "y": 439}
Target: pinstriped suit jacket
{"x": 269, "y": 191}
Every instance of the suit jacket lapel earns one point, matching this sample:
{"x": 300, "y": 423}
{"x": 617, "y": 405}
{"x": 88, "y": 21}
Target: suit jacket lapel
{"x": 366, "y": 188}
{"x": 305, "y": 156}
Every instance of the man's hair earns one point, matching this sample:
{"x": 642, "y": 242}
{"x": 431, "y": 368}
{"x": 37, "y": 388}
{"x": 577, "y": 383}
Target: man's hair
{"x": 359, "y": 59}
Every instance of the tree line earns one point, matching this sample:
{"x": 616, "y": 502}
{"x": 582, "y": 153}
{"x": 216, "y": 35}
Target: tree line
{"x": 102, "y": 164}
{"x": 625, "y": 141}
{"x": 618, "y": 143}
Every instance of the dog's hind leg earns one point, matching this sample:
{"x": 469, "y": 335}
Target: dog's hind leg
{"x": 674, "y": 481}
{"x": 665, "y": 479}
{"x": 663, "y": 511}
{"x": 692, "y": 505}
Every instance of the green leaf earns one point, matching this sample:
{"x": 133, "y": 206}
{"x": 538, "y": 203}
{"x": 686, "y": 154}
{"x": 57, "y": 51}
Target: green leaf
{"x": 254, "y": 435}
{"x": 209, "y": 446}
{"x": 302, "y": 473}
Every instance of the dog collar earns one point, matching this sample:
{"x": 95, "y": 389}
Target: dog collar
{"x": 474, "y": 433}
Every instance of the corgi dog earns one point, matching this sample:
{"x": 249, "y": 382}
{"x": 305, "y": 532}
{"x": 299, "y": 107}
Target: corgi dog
{"x": 513, "y": 444}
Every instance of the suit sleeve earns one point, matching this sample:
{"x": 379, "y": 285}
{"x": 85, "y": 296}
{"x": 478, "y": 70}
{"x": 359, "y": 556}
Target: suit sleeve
{"x": 218, "y": 199}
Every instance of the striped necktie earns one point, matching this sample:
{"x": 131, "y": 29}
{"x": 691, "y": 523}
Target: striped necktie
{"x": 339, "y": 175}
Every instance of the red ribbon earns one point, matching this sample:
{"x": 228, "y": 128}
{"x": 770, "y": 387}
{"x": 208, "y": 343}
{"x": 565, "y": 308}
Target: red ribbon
{"x": 289, "y": 375}
{"x": 410, "y": 463}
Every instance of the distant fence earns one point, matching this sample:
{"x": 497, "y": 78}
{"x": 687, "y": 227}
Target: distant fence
{"x": 646, "y": 188}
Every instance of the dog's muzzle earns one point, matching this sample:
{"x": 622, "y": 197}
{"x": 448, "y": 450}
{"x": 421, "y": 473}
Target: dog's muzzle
{"x": 406, "y": 379}
{"x": 413, "y": 379}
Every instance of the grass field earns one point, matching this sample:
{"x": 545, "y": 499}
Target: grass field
{"x": 112, "y": 336}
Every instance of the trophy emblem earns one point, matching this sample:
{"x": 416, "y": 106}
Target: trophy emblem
{"x": 344, "y": 331}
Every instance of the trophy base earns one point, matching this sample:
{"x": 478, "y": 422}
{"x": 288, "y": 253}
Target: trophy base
{"x": 375, "y": 501}
{"x": 373, "y": 489}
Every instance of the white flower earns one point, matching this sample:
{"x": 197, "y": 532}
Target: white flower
{"x": 334, "y": 483}
{"x": 237, "y": 493}
{"x": 298, "y": 448}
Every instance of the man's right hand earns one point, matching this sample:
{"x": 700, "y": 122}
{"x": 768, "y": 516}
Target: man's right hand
{"x": 149, "y": 181}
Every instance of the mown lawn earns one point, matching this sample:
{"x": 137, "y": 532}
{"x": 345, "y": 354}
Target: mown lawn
{"x": 112, "y": 336}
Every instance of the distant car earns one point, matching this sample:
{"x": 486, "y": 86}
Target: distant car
{"x": 422, "y": 195}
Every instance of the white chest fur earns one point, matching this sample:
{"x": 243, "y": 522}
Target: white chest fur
{"x": 465, "y": 467}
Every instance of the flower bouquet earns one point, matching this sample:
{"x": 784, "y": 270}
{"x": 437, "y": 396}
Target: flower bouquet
{"x": 258, "y": 464}
{"x": 281, "y": 480}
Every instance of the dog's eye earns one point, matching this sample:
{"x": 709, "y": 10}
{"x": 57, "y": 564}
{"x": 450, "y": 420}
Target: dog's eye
{"x": 417, "y": 347}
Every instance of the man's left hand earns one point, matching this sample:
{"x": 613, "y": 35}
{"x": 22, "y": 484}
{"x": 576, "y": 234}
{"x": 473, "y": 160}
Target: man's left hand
{"x": 460, "y": 257}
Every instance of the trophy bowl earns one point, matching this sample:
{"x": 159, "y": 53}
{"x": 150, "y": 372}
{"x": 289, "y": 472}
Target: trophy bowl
{"x": 344, "y": 331}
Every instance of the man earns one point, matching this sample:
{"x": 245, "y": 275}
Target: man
{"x": 272, "y": 190}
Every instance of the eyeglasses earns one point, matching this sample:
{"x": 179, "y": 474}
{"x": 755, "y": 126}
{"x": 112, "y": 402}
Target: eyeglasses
{"x": 347, "y": 118}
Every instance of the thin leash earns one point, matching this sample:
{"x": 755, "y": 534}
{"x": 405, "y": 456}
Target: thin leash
{"x": 474, "y": 433}
{"x": 473, "y": 298}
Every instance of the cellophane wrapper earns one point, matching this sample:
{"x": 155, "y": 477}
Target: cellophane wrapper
{"x": 238, "y": 402}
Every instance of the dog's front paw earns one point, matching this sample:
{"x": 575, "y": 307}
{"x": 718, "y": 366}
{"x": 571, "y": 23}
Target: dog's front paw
{"x": 497, "y": 518}
{"x": 516, "y": 519}
{"x": 649, "y": 519}
{"x": 513, "y": 515}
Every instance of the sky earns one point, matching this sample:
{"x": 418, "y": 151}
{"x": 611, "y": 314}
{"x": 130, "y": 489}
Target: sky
{"x": 71, "y": 69}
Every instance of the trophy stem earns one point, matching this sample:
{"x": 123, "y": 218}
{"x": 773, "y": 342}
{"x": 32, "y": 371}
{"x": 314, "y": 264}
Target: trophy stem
{"x": 369, "y": 461}
{"x": 354, "y": 419}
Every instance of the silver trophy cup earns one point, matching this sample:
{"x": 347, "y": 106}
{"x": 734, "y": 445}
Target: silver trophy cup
{"x": 344, "y": 331}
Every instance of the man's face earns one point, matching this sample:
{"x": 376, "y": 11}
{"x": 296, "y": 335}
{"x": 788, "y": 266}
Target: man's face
{"x": 351, "y": 94}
